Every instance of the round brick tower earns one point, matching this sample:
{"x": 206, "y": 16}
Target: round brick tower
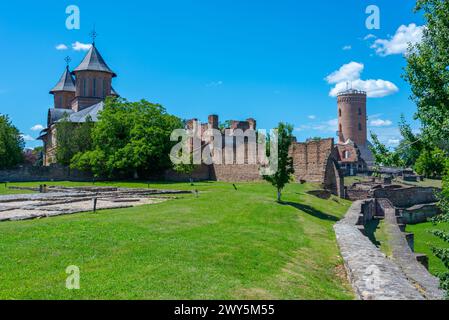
{"x": 352, "y": 117}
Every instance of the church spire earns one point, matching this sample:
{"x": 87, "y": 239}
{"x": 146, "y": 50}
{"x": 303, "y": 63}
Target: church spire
{"x": 93, "y": 61}
{"x": 66, "y": 82}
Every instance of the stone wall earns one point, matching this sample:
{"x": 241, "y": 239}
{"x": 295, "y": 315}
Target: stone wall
{"x": 316, "y": 161}
{"x": 235, "y": 173}
{"x": 372, "y": 275}
{"x": 50, "y": 173}
{"x": 407, "y": 197}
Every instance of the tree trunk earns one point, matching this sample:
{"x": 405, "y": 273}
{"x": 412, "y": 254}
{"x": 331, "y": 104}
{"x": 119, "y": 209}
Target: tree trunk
{"x": 279, "y": 195}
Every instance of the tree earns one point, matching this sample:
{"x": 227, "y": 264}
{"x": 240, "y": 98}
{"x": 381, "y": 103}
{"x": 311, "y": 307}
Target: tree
{"x": 431, "y": 164}
{"x": 72, "y": 138}
{"x": 130, "y": 140}
{"x": 411, "y": 146}
{"x": 428, "y": 74}
{"x": 11, "y": 144}
{"x": 383, "y": 156}
{"x": 285, "y": 163}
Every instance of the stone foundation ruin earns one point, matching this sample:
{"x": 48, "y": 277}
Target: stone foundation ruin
{"x": 63, "y": 201}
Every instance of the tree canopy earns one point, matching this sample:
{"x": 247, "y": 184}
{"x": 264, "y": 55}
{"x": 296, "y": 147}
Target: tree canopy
{"x": 285, "y": 163}
{"x": 11, "y": 144}
{"x": 131, "y": 139}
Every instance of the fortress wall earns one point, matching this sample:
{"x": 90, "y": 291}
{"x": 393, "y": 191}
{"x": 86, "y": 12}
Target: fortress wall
{"x": 372, "y": 275}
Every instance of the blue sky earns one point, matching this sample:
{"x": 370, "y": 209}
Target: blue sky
{"x": 269, "y": 60}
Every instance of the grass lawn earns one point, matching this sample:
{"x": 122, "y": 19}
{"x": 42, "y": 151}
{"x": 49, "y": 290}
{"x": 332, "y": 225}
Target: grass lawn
{"x": 424, "y": 241}
{"x": 426, "y": 183}
{"x": 226, "y": 244}
{"x": 5, "y": 190}
{"x": 378, "y": 234}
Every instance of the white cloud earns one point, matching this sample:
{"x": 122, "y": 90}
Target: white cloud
{"x": 399, "y": 43}
{"x": 380, "y": 123}
{"x": 346, "y": 48}
{"x": 312, "y": 117}
{"x": 348, "y": 72}
{"x": 393, "y": 142}
{"x": 326, "y": 126}
{"x": 27, "y": 137}
{"x": 374, "y": 88}
{"x": 369, "y": 36}
{"x": 37, "y": 127}
{"x": 351, "y": 72}
{"x": 78, "y": 46}
{"x": 61, "y": 47}
{"x": 214, "y": 84}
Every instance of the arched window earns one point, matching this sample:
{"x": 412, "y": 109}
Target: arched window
{"x": 360, "y": 111}
{"x": 347, "y": 154}
{"x": 84, "y": 87}
{"x": 360, "y": 127}
{"x": 339, "y": 112}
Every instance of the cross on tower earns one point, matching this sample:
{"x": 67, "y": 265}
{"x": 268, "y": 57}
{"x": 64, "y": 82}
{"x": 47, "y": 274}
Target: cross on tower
{"x": 67, "y": 60}
{"x": 94, "y": 35}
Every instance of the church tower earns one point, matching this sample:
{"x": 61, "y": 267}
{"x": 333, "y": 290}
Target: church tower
{"x": 93, "y": 80}
{"x": 64, "y": 90}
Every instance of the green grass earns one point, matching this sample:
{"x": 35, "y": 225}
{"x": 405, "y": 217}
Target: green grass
{"x": 424, "y": 241}
{"x": 226, "y": 244}
{"x": 4, "y": 189}
{"x": 349, "y": 181}
{"x": 377, "y": 232}
{"x": 426, "y": 183}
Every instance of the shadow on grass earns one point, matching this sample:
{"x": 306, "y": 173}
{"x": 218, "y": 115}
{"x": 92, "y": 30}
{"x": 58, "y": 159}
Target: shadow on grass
{"x": 370, "y": 230}
{"x": 312, "y": 211}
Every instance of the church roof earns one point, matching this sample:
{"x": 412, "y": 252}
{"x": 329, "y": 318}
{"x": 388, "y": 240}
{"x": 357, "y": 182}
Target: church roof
{"x": 93, "y": 61}
{"x": 55, "y": 115}
{"x": 91, "y": 112}
{"x": 66, "y": 83}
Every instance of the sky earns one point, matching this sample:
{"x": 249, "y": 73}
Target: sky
{"x": 272, "y": 60}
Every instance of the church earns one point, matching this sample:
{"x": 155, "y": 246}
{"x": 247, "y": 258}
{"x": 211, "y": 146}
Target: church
{"x": 79, "y": 95}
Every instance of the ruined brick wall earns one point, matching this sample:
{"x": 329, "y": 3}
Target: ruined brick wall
{"x": 316, "y": 161}
{"x": 235, "y": 173}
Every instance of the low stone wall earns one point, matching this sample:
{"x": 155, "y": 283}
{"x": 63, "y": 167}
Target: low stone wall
{"x": 402, "y": 254}
{"x": 372, "y": 275}
{"x": 420, "y": 213}
{"x": 407, "y": 197}
{"x": 51, "y": 173}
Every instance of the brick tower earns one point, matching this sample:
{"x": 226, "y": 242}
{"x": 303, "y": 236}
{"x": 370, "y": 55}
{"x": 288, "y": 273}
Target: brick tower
{"x": 352, "y": 117}
{"x": 353, "y": 145}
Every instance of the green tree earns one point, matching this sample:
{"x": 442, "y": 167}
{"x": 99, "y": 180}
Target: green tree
{"x": 427, "y": 72}
{"x": 411, "y": 146}
{"x": 285, "y": 163}
{"x": 131, "y": 139}
{"x": 383, "y": 156}
{"x": 11, "y": 144}
{"x": 72, "y": 138}
{"x": 431, "y": 163}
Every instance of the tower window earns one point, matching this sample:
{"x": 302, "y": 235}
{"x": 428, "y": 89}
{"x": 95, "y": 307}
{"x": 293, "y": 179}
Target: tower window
{"x": 339, "y": 112}
{"x": 94, "y": 87}
{"x": 347, "y": 154}
{"x": 84, "y": 87}
{"x": 360, "y": 126}
{"x": 360, "y": 111}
